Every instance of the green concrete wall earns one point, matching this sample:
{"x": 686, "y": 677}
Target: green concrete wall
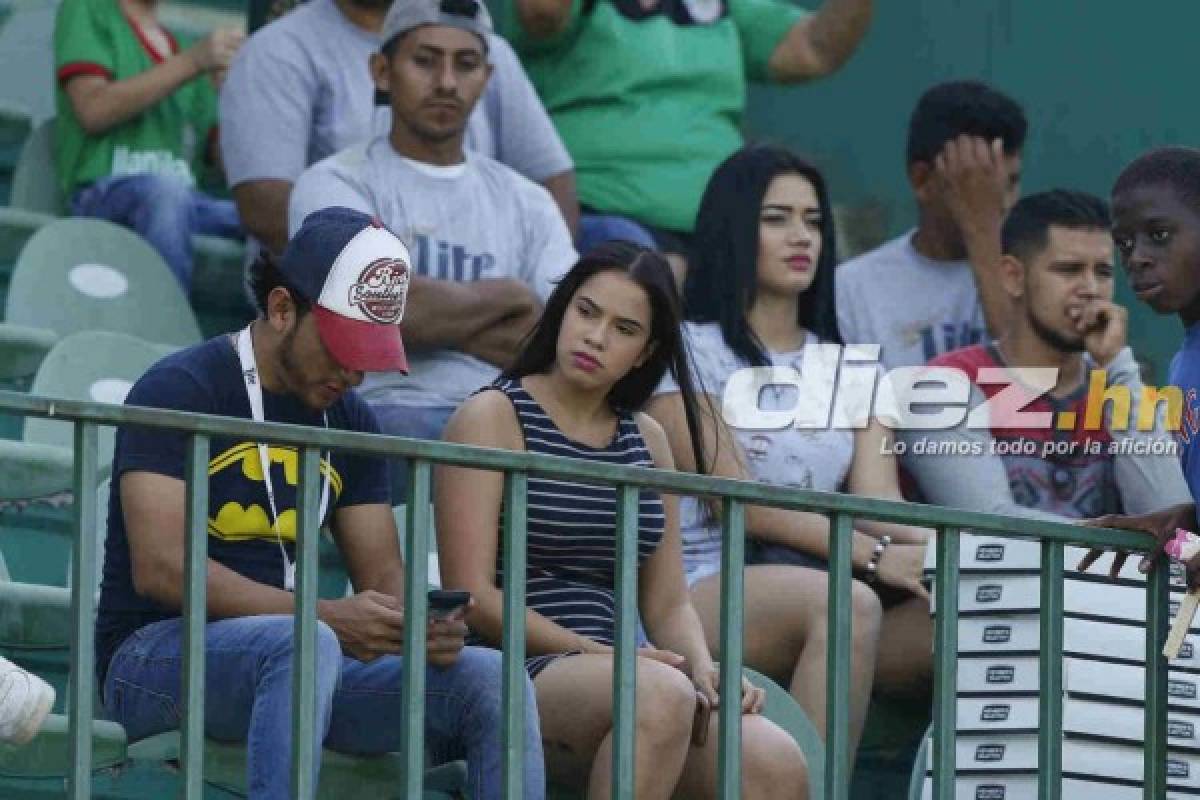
{"x": 1100, "y": 81}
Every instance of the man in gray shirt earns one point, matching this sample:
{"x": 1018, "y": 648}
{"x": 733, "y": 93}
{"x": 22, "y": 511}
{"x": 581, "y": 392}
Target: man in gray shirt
{"x": 300, "y": 90}
{"x": 487, "y": 243}
{"x": 935, "y": 288}
{"x": 1084, "y": 457}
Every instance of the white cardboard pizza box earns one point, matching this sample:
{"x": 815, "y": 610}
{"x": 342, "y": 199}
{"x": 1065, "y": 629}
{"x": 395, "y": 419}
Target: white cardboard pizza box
{"x": 1086, "y": 678}
{"x": 1082, "y": 718}
{"x": 1016, "y": 594}
{"x": 1008, "y": 753}
{"x": 1025, "y": 787}
{"x": 1020, "y": 634}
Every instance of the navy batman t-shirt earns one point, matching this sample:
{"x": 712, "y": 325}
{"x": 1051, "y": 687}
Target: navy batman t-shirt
{"x": 207, "y": 378}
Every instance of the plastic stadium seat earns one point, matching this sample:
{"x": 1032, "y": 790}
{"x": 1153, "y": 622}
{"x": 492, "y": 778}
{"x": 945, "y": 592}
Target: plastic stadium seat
{"x": 87, "y": 274}
{"x": 93, "y": 365}
{"x": 35, "y": 183}
{"x": 916, "y": 784}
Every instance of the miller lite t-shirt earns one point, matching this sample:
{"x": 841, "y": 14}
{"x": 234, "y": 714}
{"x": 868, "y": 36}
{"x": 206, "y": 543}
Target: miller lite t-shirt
{"x": 473, "y": 221}
{"x": 914, "y": 307}
{"x": 207, "y": 378}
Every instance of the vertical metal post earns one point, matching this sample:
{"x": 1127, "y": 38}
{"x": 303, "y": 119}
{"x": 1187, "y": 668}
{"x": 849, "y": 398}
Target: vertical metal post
{"x": 83, "y": 601}
{"x": 306, "y": 751}
{"x": 416, "y": 602}
{"x": 837, "y": 669}
{"x": 1050, "y": 681}
{"x": 625, "y": 669}
{"x": 513, "y": 699}
{"x": 733, "y": 556}
{"x": 195, "y": 615}
{"x": 945, "y": 680}
{"x": 1157, "y": 608}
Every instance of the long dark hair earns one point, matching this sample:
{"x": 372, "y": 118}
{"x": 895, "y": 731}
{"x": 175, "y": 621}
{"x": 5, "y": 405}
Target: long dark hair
{"x": 722, "y": 279}
{"x": 650, "y": 271}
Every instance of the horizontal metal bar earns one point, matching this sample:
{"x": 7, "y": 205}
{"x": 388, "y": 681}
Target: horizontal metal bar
{"x": 575, "y": 469}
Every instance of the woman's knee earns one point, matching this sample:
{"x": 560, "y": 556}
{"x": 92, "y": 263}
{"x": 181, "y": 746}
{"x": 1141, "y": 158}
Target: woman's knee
{"x": 666, "y": 701}
{"x": 867, "y": 611}
{"x": 773, "y": 764}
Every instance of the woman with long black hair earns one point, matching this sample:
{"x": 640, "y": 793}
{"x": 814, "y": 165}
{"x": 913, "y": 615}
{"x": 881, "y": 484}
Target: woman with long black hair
{"x": 609, "y": 333}
{"x": 759, "y": 293}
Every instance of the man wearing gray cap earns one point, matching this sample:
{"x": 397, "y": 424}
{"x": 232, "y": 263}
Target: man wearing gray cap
{"x": 300, "y": 90}
{"x": 487, "y": 244}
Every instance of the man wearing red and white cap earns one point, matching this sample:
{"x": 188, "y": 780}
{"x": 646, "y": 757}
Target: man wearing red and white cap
{"x": 328, "y": 311}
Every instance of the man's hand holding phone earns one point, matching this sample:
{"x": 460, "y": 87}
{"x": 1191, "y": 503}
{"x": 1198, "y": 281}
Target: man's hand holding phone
{"x": 447, "y": 630}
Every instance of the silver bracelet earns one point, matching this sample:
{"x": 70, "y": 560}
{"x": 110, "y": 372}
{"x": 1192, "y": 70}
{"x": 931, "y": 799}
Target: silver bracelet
{"x": 872, "y": 568}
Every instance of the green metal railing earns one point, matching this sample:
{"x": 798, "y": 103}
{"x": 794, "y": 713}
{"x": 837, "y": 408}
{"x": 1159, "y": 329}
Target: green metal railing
{"x": 843, "y": 509}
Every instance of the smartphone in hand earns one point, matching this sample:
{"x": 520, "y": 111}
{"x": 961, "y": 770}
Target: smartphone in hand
{"x": 445, "y": 603}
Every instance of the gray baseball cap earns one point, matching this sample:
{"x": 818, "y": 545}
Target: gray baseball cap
{"x": 470, "y": 15}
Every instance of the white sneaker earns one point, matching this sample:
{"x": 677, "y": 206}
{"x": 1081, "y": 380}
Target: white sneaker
{"x": 25, "y": 700}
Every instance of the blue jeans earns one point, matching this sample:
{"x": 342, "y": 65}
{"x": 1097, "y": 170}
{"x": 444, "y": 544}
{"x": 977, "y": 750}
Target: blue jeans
{"x": 248, "y": 695}
{"x": 596, "y": 229}
{"x": 411, "y": 422}
{"x": 164, "y": 210}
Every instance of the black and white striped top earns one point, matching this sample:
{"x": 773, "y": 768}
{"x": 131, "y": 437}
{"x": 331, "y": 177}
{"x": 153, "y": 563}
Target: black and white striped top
{"x": 571, "y": 554}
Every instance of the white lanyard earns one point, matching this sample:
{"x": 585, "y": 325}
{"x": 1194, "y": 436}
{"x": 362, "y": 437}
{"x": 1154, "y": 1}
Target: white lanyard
{"x": 245, "y": 348}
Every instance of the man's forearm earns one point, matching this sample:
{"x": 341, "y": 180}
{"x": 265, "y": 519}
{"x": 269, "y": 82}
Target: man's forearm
{"x": 837, "y": 29}
{"x": 447, "y": 314}
{"x": 101, "y": 105}
{"x": 263, "y": 208}
{"x": 562, "y": 189}
{"x": 984, "y": 254}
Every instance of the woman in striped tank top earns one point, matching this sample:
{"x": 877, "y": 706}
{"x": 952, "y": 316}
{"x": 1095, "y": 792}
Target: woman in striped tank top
{"x": 609, "y": 333}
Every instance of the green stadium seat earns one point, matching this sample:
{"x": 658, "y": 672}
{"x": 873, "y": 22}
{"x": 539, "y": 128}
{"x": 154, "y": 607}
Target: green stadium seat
{"x": 916, "y": 783}
{"x": 87, "y": 274}
{"x": 35, "y": 182}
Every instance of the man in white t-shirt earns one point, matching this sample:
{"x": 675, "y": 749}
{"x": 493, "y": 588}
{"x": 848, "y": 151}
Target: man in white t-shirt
{"x": 937, "y": 288}
{"x": 487, "y": 243}
{"x": 301, "y": 90}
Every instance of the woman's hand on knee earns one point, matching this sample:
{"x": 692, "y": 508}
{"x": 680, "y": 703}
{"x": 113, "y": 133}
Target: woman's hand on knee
{"x": 708, "y": 683}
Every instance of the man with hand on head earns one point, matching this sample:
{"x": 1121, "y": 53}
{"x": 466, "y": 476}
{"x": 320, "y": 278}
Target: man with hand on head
{"x": 937, "y": 287}
{"x": 328, "y": 310}
{"x": 488, "y": 244}
{"x": 1057, "y": 268}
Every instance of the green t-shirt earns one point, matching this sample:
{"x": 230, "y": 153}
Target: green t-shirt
{"x": 94, "y": 37}
{"x": 649, "y": 103}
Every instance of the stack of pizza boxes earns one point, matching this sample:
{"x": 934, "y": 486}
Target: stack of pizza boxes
{"x": 1104, "y": 649}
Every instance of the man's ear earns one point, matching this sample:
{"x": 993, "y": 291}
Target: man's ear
{"x": 281, "y": 310}
{"x": 922, "y": 177}
{"x": 380, "y": 65}
{"x": 1012, "y": 276}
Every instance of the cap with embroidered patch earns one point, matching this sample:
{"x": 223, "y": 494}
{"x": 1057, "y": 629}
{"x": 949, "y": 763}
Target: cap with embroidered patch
{"x": 469, "y": 15}
{"x": 356, "y": 273}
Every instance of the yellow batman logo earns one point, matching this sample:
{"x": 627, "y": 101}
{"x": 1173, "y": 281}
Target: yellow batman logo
{"x": 237, "y": 522}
